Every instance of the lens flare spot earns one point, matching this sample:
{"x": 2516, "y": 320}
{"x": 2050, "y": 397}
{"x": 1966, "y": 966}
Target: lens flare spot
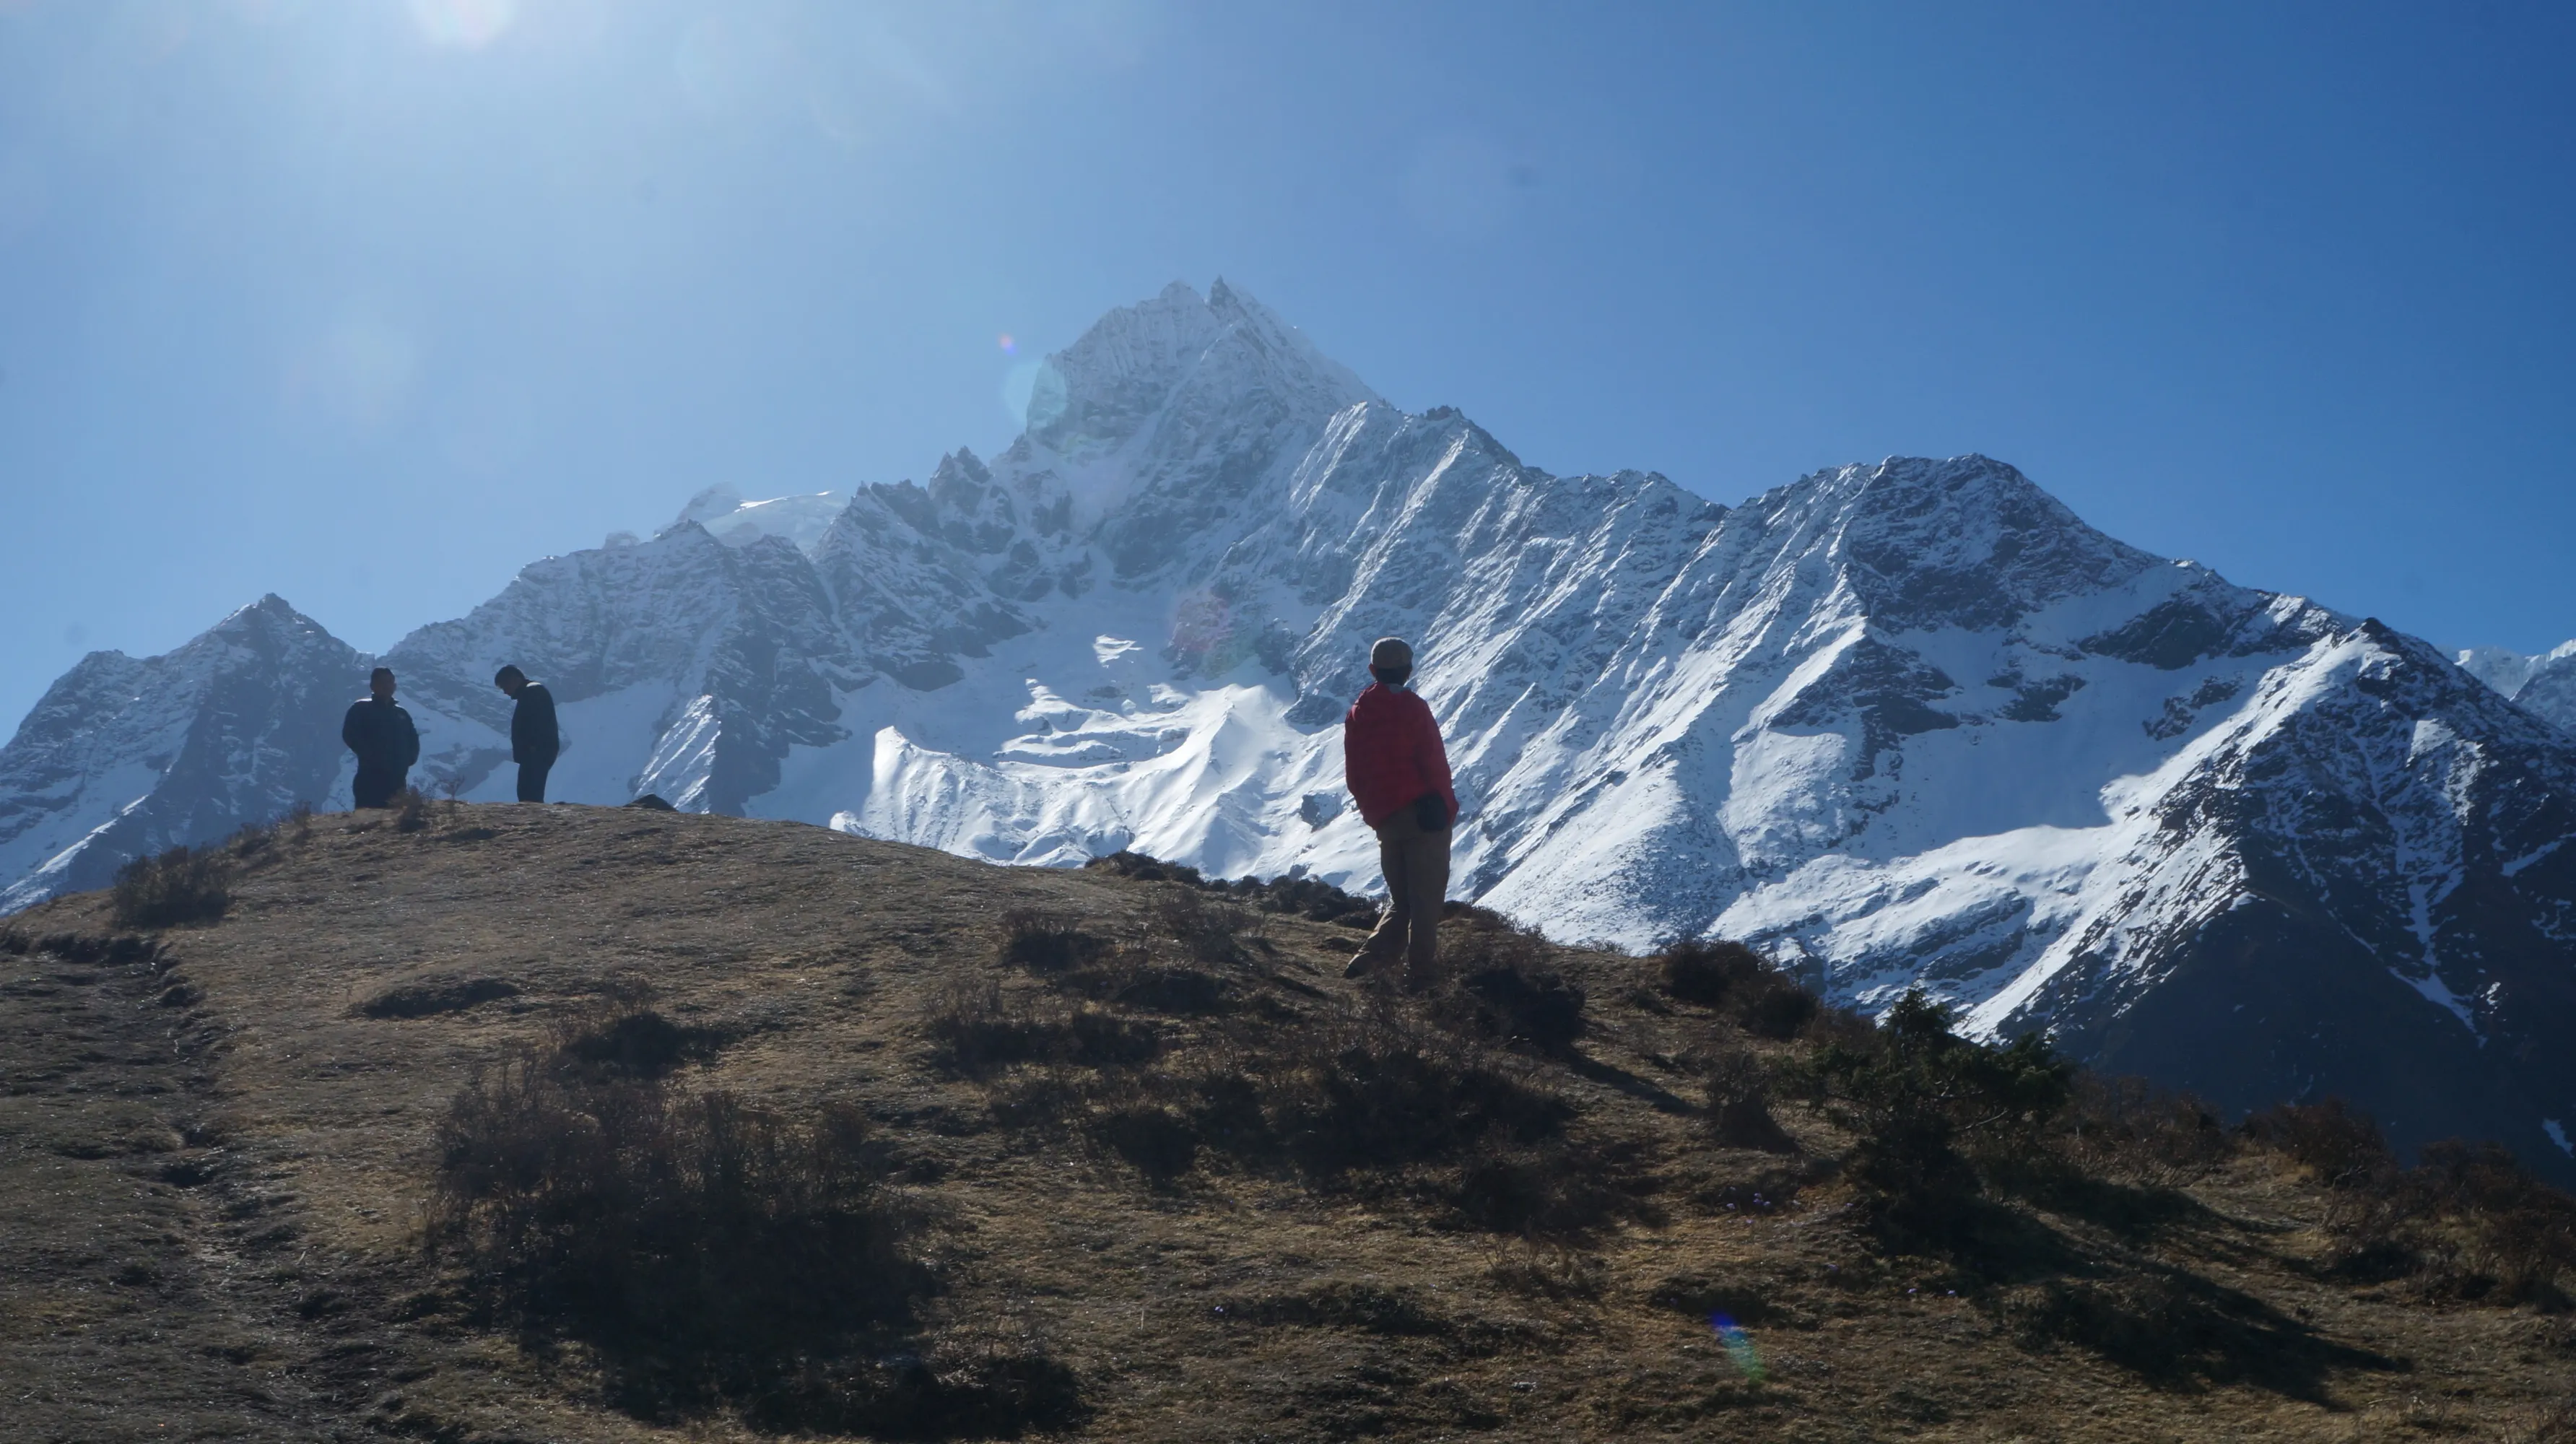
{"x": 1033, "y": 392}
{"x": 1009, "y": 346}
{"x": 1738, "y": 1345}
{"x": 463, "y": 24}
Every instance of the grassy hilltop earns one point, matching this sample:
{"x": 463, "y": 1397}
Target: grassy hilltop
{"x": 518, "y": 1123}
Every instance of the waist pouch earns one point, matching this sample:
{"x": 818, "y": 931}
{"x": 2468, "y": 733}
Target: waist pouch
{"x": 1431, "y": 812}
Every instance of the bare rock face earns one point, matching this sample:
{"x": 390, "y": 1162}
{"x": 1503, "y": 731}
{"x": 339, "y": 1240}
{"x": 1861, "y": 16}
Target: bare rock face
{"x": 1896, "y": 724}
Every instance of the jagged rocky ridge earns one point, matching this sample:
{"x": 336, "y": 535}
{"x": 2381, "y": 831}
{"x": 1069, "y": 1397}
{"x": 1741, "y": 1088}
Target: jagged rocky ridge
{"x": 1895, "y": 723}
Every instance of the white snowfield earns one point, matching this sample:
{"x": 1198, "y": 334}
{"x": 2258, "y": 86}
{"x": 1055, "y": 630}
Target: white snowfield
{"x": 1908, "y": 723}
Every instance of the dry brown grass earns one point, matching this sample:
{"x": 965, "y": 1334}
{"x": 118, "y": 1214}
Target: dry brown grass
{"x": 1245, "y": 1199}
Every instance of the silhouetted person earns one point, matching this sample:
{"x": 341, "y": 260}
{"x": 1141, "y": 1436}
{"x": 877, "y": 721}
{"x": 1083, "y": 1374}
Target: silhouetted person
{"x": 384, "y": 739}
{"x": 534, "y": 741}
{"x": 1399, "y": 775}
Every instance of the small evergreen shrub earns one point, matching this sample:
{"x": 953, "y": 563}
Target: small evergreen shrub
{"x": 1707, "y": 972}
{"x": 1739, "y": 1106}
{"x": 1929, "y": 1108}
{"x": 1731, "y": 977}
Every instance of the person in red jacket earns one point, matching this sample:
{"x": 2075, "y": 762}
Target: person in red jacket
{"x": 1399, "y": 775}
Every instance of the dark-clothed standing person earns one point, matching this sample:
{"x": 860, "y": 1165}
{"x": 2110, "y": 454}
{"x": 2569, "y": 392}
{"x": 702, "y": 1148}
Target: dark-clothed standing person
{"x": 1399, "y": 775}
{"x": 534, "y": 742}
{"x": 381, "y": 733}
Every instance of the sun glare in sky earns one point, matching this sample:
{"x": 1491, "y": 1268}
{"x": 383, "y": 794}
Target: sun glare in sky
{"x": 463, "y": 24}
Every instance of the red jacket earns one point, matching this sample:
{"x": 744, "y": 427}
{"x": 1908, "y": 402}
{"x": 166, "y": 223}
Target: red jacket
{"x": 1391, "y": 753}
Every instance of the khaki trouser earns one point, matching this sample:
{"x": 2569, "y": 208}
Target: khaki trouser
{"x": 1416, "y": 864}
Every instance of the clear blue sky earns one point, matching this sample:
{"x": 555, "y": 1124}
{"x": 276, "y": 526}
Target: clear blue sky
{"x": 370, "y": 302}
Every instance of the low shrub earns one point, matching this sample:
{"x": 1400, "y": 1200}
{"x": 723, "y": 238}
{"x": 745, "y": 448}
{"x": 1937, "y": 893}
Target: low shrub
{"x": 1389, "y": 1098}
{"x": 1146, "y": 869}
{"x": 411, "y": 810}
{"x": 712, "y": 1252}
{"x": 1731, "y": 977}
{"x": 1928, "y": 1108}
{"x": 1175, "y": 990}
{"x": 1556, "y": 1189}
{"x": 1739, "y": 1105}
{"x": 177, "y": 887}
{"x": 1309, "y": 898}
{"x": 1161, "y": 1144}
{"x": 1707, "y": 972}
{"x": 698, "y": 1227}
{"x": 977, "y": 1030}
{"x": 2468, "y": 1222}
{"x": 1494, "y": 985}
{"x": 434, "y": 996}
{"x": 2339, "y": 1142}
{"x": 1207, "y": 932}
{"x": 2512, "y": 1237}
{"x": 638, "y": 1043}
{"x": 1047, "y": 943}
{"x": 251, "y": 842}
{"x": 1549, "y": 1271}
{"x": 2129, "y": 1129}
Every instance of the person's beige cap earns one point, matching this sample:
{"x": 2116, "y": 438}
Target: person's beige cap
{"x": 1390, "y": 652}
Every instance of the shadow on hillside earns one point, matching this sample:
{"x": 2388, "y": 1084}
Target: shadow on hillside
{"x": 2177, "y": 1330}
{"x": 2173, "y": 1328}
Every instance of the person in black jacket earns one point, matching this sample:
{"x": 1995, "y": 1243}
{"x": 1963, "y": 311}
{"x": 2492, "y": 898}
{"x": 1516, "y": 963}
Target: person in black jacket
{"x": 384, "y": 739}
{"x": 534, "y": 741}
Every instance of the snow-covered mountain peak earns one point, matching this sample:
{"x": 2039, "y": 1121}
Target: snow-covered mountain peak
{"x": 2502, "y": 668}
{"x": 2545, "y": 684}
{"x": 801, "y": 520}
{"x": 1967, "y": 541}
{"x": 1098, "y": 394}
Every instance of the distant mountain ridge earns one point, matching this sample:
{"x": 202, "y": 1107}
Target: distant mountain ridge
{"x": 1910, "y": 722}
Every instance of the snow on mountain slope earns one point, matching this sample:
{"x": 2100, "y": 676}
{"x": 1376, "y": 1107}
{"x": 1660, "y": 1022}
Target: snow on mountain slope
{"x": 1911, "y": 722}
{"x": 122, "y": 757}
{"x": 799, "y": 520}
{"x": 2545, "y": 685}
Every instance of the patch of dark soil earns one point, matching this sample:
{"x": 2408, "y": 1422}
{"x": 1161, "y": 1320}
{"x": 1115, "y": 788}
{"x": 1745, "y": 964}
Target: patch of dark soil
{"x": 1177, "y": 990}
{"x": 432, "y": 997}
